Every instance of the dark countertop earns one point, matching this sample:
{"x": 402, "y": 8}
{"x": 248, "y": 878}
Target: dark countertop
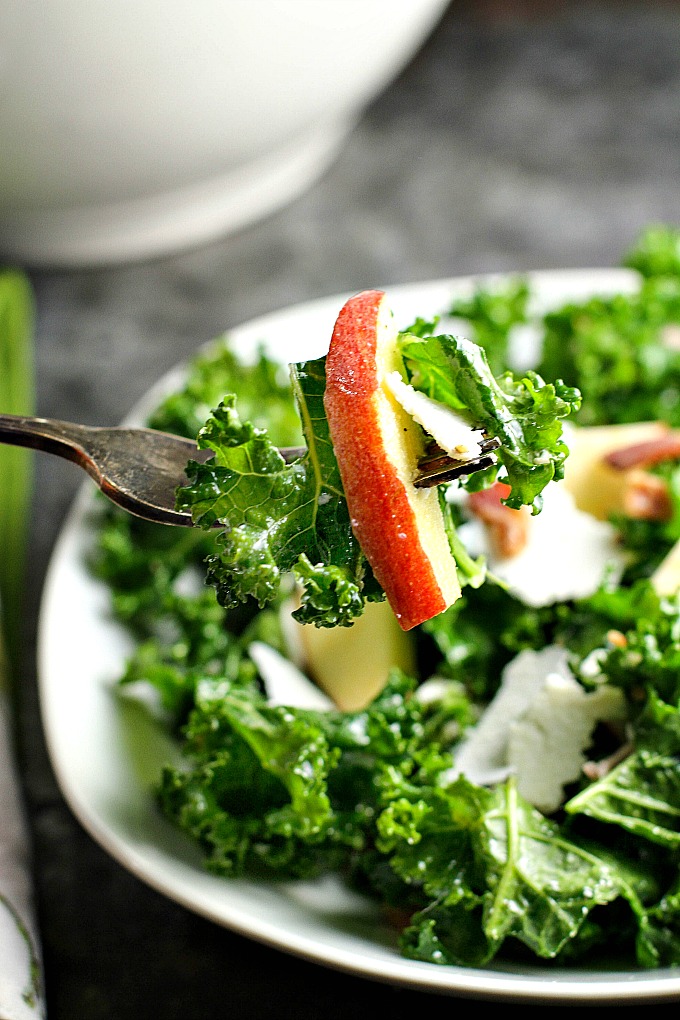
{"x": 541, "y": 139}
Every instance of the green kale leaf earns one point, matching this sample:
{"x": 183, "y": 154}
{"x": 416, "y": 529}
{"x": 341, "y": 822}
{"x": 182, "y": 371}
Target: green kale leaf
{"x": 648, "y": 660}
{"x": 263, "y": 388}
{"x": 493, "y": 867}
{"x": 256, "y": 788}
{"x": 656, "y": 252}
{"x": 285, "y": 790}
{"x": 659, "y": 940}
{"x": 642, "y": 793}
{"x": 524, "y": 414}
{"x": 618, "y": 350}
{"x": 278, "y": 516}
{"x": 146, "y": 566}
{"x": 491, "y": 313}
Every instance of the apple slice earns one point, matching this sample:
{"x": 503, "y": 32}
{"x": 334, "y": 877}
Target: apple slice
{"x": 377, "y": 445}
{"x": 666, "y": 578}
{"x": 597, "y": 487}
{"x": 352, "y": 664}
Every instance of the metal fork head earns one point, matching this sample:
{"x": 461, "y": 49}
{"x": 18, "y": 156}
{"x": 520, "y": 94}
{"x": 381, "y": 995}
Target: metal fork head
{"x": 436, "y": 467}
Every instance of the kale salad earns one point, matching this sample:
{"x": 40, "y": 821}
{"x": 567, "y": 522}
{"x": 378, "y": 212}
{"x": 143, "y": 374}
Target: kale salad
{"x": 508, "y": 784}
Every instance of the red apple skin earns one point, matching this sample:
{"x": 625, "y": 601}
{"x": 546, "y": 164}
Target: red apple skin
{"x": 400, "y": 528}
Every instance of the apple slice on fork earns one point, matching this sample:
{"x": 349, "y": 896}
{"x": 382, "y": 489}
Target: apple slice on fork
{"x": 378, "y": 445}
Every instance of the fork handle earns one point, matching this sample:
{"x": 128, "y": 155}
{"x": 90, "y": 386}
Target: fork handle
{"x": 65, "y": 439}
{"x": 142, "y": 477}
{"x": 68, "y": 439}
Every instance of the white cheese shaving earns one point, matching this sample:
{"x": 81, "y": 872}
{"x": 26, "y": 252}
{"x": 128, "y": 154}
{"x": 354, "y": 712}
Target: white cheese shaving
{"x": 553, "y": 735}
{"x": 482, "y": 755}
{"x": 284, "y": 683}
{"x": 449, "y": 429}
{"x": 537, "y": 728}
{"x": 567, "y": 555}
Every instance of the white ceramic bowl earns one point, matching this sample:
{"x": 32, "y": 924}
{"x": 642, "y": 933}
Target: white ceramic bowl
{"x": 133, "y": 128}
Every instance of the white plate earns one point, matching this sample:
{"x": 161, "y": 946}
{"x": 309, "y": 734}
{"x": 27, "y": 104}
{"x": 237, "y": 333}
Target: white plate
{"x": 107, "y": 753}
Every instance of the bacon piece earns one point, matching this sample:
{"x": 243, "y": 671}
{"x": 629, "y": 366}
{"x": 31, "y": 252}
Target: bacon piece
{"x": 640, "y": 455}
{"x": 595, "y": 770}
{"x": 508, "y": 528}
{"x": 398, "y": 917}
{"x": 646, "y": 497}
{"x": 617, "y": 639}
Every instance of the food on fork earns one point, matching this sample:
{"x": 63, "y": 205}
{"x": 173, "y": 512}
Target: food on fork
{"x": 365, "y": 513}
{"x": 377, "y": 445}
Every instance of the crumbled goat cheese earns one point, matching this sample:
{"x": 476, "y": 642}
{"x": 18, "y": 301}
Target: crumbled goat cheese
{"x": 537, "y": 728}
{"x": 451, "y": 432}
{"x": 567, "y": 555}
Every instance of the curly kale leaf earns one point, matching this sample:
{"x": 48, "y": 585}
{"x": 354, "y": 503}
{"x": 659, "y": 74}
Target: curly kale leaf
{"x": 493, "y": 868}
{"x": 656, "y": 252}
{"x": 263, "y": 388}
{"x": 525, "y": 414}
{"x": 642, "y": 794}
{"x": 659, "y": 943}
{"x": 148, "y": 566}
{"x": 619, "y": 350}
{"x": 648, "y": 658}
{"x": 279, "y": 516}
{"x": 491, "y": 312}
{"x": 282, "y": 790}
{"x": 255, "y": 790}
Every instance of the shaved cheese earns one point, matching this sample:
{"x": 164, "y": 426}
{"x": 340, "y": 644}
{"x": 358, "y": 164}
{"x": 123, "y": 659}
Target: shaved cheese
{"x": 482, "y": 756}
{"x": 451, "y": 432}
{"x": 555, "y": 731}
{"x": 537, "y": 728}
{"x": 567, "y": 555}
{"x": 284, "y": 683}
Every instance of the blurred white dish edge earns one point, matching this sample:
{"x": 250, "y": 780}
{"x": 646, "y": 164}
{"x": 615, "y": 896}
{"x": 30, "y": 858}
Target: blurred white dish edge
{"x": 132, "y": 130}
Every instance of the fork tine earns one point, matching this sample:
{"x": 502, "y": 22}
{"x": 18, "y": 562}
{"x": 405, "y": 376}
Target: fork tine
{"x": 436, "y": 466}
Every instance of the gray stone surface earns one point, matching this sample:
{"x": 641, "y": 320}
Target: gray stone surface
{"x": 511, "y": 142}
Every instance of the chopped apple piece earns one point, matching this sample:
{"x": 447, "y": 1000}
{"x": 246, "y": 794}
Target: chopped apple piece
{"x": 666, "y": 577}
{"x": 377, "y": 444}
{"x": 351, "y": 664}
{"x": 597, "y": 486}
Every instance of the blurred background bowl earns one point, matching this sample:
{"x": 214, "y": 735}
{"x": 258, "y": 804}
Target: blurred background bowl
{"x": 137, "y": 128}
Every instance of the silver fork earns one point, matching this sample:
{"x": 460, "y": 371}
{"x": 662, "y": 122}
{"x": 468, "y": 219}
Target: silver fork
{"x": 137, "y": 468}
{"x": 140, "y": 469}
